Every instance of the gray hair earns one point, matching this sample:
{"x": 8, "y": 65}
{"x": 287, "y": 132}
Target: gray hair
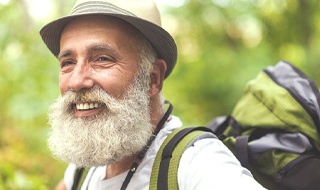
{"x": 147, "y": 58}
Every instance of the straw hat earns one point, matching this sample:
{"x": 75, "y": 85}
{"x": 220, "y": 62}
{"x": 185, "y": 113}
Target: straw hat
{"x": 142, "y": 14}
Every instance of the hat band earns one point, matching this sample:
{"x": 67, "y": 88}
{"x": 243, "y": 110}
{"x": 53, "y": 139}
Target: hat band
{"x": 99, "y": 7}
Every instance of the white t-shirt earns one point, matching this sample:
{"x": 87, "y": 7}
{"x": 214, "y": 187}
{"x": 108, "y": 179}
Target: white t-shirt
{"x": 208, "y": 164}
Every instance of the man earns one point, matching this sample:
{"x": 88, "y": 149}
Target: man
{"x": 114, "y": 56}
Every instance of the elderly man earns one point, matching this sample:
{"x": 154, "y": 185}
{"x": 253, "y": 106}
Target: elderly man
{"x": 114, "y": 56}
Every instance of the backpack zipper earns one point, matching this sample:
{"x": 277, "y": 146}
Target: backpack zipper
{"x": 283, "y": 171}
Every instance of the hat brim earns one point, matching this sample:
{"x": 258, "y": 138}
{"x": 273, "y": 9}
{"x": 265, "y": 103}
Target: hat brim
{"x": 160, "y": 39}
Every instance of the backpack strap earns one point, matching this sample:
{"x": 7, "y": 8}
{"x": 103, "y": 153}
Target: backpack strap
{"x": 221, "y": 123}
{"x": 165, "y": 167}
{"x": 79, "y": 176}
{"x": 242, "y": 150}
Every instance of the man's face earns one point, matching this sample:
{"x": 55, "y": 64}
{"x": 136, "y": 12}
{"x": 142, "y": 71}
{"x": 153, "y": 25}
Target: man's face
{"x": 103, "y": 115}
{"x": 97, "y": 51}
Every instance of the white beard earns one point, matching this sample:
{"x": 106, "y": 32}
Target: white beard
{"x": 118, "y": 132}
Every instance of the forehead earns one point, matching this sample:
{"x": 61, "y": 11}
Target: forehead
{"x": 101, "y": 28}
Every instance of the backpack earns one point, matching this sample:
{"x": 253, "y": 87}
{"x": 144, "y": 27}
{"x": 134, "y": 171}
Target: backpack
{"x": 274, "y": 129}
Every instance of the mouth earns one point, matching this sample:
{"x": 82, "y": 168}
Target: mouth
{"x": 87, "y": 109}
{"x": 84, "y": 106}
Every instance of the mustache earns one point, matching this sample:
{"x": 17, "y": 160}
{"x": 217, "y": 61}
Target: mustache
{"x": 84, "y": 95}
{"x": 95, "y": 94}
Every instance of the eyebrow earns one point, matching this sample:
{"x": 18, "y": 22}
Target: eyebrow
{"x": 92, "y": 48}
{"x": 103, "y": 47}
{"x": 64, "y": 54}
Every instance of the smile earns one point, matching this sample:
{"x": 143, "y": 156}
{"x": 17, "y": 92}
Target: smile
{"x": 87, "y": 106}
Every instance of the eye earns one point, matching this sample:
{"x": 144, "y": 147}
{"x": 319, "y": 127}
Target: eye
{"x": 66, "y": 63}
{"x": 104, "y": 59}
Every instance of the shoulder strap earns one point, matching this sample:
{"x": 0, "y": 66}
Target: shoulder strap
{"x": 79, "y": 176}
{"x": 220, "y": 124}
{"x": 242, "y": 151}
{"x": 165, "y": 167}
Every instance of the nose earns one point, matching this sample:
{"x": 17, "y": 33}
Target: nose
{"x": 81, "y": 78}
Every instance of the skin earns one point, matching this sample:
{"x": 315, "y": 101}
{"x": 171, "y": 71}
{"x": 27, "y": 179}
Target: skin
{"x": 101, "y": 50}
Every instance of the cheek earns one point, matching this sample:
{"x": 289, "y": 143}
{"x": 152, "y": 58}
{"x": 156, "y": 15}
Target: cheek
{"x": 116, "y": 86}
{"x": 63, "y": 85}
{"x": 113, "y": 87}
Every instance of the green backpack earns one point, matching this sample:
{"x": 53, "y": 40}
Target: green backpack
{"x": 274, "y": 129}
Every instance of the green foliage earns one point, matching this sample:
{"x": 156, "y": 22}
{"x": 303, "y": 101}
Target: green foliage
{"x": 222, "y": 45}
{"x": 28, "y": 80}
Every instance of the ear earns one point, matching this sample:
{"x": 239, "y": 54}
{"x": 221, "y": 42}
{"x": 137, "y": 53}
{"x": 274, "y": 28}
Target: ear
{"x": 157, "y": 77}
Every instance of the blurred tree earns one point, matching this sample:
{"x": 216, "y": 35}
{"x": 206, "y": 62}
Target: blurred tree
{"x": 222, "y": 45}
{"x": 28, "y": 80}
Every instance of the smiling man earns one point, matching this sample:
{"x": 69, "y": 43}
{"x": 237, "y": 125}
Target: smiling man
{"x": 104, "y": 91}
{"x": 111, "y": 116}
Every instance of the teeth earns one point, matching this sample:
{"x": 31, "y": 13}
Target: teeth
{"x": 87, "y": 106}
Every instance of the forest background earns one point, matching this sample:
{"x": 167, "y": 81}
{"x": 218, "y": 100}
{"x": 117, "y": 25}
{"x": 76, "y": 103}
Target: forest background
{"x": 222, "y": 45}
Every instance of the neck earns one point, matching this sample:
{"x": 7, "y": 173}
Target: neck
{"x": 119, "y": 167}
{"x": 156, "y": 110}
